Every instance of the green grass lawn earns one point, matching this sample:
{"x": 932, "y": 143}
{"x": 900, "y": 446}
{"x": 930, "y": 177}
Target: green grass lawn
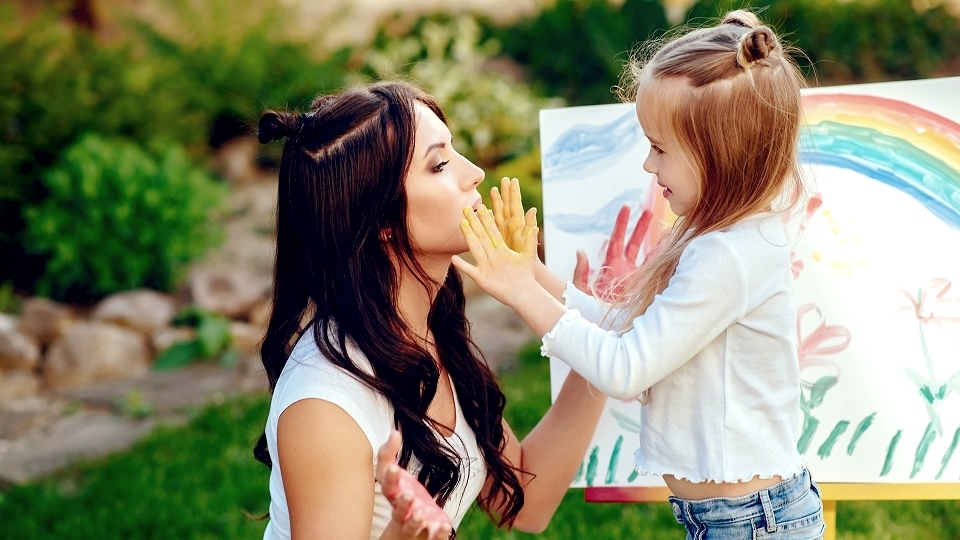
{"x": 200, "y": 482}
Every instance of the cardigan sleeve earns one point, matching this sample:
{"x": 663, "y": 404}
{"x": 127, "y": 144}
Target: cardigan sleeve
{"x": 705, "y": 296}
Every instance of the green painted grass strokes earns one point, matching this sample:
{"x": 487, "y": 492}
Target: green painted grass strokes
{"x": 614, "y": 459}
{"x": 920, "y": 456}
{"x": 827, "y": 447}
{"x": 891, "y": 449}
{"x": 862, "y": 428}
{"x": 948, "y": 454}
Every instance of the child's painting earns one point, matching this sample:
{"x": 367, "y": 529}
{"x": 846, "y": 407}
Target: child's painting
{"x": 876, "y": 267}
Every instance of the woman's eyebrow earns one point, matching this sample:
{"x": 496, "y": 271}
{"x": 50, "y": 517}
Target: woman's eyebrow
{"x": 433, "y": 146}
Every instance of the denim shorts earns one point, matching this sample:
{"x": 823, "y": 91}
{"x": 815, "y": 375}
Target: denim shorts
{"x": 789, "y": 510}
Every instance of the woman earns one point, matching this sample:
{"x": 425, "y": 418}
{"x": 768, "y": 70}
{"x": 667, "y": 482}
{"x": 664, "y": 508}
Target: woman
{"x": 368, "y": 336}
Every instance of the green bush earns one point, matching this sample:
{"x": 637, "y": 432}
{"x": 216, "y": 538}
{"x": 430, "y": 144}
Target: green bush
{"x": 493, "y": 116}
{"x": 117, "y": 218}
{"x": 58, "y": 82}
{"x": 577, "y": 48}
{"x": 858, "y": 40}
{"x": 235, "y": 58}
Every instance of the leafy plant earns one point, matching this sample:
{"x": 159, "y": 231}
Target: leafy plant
{"x": 212, "y": 341}
{"x": 116, "y": 218}
{"x": 493, "y": 116}
{"x": 858, "y": 40}
{"x": 577, "y": 48}
{"x": 233, "y": 59}
{"x": 57, "y": 83}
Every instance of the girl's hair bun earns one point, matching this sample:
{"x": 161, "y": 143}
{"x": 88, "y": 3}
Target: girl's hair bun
{"x": 755, "y": 45}
{"x": 742, "y": 18}
{"x": 274, "y": 126}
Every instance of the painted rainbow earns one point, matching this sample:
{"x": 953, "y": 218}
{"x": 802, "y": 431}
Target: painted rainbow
{"x": 899, "y": 144}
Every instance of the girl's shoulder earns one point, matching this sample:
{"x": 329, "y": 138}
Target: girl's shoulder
{"x": 760, "y": 232}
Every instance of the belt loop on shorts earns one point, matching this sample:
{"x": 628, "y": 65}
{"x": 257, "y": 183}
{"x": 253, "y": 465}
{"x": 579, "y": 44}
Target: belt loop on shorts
{"x": 768, "y": 516}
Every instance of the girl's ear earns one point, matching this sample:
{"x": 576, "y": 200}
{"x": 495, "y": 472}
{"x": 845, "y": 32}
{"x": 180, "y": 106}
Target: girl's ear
{"x": 386, "y": 234}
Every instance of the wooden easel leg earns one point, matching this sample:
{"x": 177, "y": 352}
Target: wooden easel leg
{"x": 830, "y": 519}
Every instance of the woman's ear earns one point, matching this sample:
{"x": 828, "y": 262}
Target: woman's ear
{"x": 386, "y": 234}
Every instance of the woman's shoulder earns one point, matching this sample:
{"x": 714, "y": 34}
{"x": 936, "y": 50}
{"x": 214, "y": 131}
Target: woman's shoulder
{"x": 310, "y": 374}
{"x": 310, "y": 371}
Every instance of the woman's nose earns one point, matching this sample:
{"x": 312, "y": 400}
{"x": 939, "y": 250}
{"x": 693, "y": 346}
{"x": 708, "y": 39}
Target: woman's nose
{"x": 473, "y": 175}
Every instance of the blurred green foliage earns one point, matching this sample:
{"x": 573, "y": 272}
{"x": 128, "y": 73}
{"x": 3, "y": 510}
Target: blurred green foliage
{"x": 197, "y": 72}
{"x": 57, "y": 83}
{"x": 202, "y": 78}
{"x": 577, "y": 48}
{"x": 858, "y": 40}
{"x": 212, "y": 341}
{"x": 117, "y": 218}
{"x": 231, "y": 60}
{"x": 493, "y": 116}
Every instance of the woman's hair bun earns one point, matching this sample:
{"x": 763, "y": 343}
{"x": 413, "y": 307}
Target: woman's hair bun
{"x": 755, "y": 45}
{"x": 275, "y": 126}
{"x": 742, "y": 18}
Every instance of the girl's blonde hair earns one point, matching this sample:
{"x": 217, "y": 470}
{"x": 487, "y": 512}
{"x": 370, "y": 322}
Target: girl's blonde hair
{"x": 730, "y": 95}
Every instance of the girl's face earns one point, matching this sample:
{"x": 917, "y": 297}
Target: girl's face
{"x": 670, "y": 162}
{"x": 439, "y": 184}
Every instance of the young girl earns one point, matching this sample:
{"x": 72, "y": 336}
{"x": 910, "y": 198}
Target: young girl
{"x": 368, "y": 337}
{"x": 709, "y": 336}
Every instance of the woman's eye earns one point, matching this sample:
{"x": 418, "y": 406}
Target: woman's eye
{"x": 439, "y": 166}
{"x": 656, "y": 149}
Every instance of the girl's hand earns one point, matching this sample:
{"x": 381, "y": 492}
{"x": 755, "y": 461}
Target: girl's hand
{"x": 619, "y": 260}
{"x": 508, "y": 213}
{"x": 500, "y": 271}
{"x": 414, "y": 509}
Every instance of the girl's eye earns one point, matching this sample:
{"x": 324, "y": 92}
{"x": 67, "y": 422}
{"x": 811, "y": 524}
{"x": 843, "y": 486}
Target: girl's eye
{"x": 439, "y": 166}
{"x": 656, "y": 149}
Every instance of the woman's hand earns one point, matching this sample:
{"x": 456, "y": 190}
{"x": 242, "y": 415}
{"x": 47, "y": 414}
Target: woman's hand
{"x": 499, "y": 270}
{"x": 508, "y": 214}
{"x": 414, "y": 510}
{"x": 619, "y": 260}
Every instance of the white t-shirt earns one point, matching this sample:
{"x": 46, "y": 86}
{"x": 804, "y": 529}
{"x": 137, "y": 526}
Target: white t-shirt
{"x": 718, "y": 351}
{"x": 309, "y": 375}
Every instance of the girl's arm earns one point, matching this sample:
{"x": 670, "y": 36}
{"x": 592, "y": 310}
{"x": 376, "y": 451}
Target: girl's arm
{"x": 514, "y": 225}
{"x": 328, "y": 481}
{"x": 552, "y": 452}
{"x": 512, "y": 276}
{"x": 707, "y": 294}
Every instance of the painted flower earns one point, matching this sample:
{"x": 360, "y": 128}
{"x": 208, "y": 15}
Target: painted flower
{"x": 814, "y": 346}
{"x": 934, "y": 305}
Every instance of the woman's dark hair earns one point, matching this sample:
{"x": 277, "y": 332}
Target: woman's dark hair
{"x": 341, "y": 192}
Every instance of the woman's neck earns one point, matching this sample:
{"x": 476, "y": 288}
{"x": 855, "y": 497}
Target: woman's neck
{"x": 415, "y": 300}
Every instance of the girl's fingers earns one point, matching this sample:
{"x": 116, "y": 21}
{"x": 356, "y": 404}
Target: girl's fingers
{"x": 531, "y": 217}
{"x": 496, "y": 202}
{"x": 474, "y": 222}
{"x": 490, "y": 229}
{"x": 530, "y": 246}
{"x": 515, "y": 199}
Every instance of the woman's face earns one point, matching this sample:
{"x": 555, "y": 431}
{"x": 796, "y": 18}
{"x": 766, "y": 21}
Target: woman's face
{"x": 439, "y": 184}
